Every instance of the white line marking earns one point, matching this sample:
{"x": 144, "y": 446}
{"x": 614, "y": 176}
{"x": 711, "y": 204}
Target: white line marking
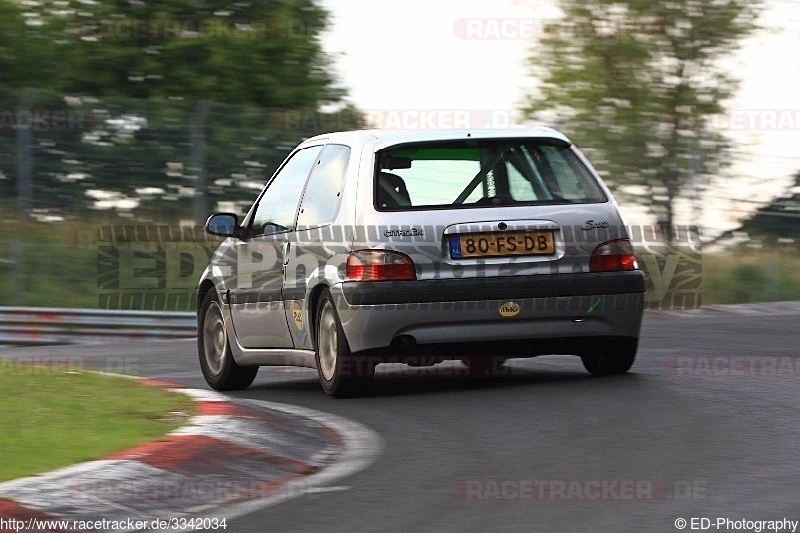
{"x": 240, "y": 431}
{"x": 317, "y": 490}
{"x": 89, "y": 467}
{"x": 202, "y": 395}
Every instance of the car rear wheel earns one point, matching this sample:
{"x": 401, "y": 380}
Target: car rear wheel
{"x": 340, "y": 374}
{"x": 614, "y": 356}
{"x": 216, "y": 361}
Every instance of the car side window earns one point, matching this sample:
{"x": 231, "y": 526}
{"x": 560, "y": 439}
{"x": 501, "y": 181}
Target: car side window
{"x": 277, "y": 207}
{"x": 573, "y": 178}
{"x": 323, "y": 192}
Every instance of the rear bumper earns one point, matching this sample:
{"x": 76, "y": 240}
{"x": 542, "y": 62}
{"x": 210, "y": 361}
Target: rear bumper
{"x": 437, "y": 312}
{"x": 477, "y": 289}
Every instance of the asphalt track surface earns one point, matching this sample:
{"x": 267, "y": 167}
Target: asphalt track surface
{"x": 707, "y": 419}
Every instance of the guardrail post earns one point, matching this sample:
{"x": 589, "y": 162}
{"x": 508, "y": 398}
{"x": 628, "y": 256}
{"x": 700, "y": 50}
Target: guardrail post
{"x": 17, "y": 269}
{"x": 25, "y": 155}
{"x": 197, "y": 164}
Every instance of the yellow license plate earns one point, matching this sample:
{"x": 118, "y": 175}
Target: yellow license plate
{"x": 506, "y": 244}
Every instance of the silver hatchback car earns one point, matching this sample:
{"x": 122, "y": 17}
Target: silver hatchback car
{"x": 419, "y": 247}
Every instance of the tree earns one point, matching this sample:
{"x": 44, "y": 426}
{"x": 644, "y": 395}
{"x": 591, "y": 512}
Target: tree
{"x": 25, "y": 52}
{"x": 778, "y": 220}
{"x": 266, "y": 53}
{"x": 635, "y": 84}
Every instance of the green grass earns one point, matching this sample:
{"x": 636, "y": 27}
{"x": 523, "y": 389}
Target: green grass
{"x": 51, "y": 418}
{"x": 752, "y": 276}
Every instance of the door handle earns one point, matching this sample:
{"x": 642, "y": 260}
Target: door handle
{"x": 286, "y": 247}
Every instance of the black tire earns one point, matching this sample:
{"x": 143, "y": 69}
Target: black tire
{"x": 340, "y": 374}
{"x": 614, "y": 356}
{"x": 216, "y": 360}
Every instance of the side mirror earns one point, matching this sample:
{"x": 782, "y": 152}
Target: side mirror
{"x": 222, "y": 224}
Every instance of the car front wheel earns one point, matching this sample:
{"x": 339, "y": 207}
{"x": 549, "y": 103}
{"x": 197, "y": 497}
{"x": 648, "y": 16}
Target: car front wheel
{"x": 216, "y": 361}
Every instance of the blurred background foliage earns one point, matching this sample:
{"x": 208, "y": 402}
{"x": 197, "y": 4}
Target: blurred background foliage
{"x": 148, "y": 159}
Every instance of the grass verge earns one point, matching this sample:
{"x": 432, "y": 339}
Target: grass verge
{"x": 51, "y": 417}
{"x": 749, "y": 277}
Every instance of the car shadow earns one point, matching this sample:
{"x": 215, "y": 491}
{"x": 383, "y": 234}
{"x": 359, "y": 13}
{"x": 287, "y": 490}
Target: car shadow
{"x": 402, "y": 380}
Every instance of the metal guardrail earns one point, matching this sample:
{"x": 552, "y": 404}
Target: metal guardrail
{"x": 37, "y": 326}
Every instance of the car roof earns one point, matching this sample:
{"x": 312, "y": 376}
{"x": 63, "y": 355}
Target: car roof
{"x": 385, "y": 138}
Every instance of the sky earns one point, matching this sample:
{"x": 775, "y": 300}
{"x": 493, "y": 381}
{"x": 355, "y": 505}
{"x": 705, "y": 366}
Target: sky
{"x": 450, "y": 63}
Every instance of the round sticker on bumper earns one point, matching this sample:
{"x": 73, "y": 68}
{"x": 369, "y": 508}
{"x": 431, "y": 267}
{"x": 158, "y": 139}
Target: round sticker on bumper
{"x": 509, "y": 309}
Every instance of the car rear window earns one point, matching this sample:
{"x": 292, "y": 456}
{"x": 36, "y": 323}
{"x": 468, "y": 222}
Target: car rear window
{"x": 485, "y": 173}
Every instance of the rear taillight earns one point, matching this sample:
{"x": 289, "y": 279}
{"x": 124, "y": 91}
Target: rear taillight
{"x": 380, "y": 265}
{"x": 613, "y": 256}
